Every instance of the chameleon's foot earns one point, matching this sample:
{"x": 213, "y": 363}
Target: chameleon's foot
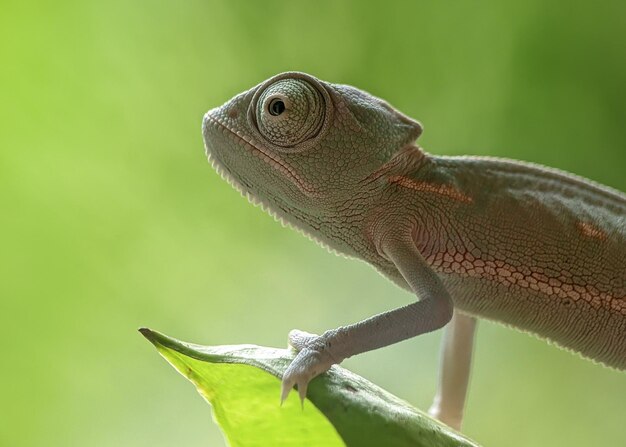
{"x": 312, "y": 360}
{"x": 448, "y": 418}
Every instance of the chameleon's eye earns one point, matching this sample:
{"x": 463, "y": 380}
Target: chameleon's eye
{"x": 289, "y": 112}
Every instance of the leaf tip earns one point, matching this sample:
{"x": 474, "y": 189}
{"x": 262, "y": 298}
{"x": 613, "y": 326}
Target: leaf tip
{"x": 149, "y": 334}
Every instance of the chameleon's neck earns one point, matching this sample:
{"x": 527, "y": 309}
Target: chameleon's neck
{"x": 409, "y": 159}
{"x": 338, "y": 223}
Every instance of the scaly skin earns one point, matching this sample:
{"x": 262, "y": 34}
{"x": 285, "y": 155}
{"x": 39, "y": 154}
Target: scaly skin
{"x": 524, "y": 245}
{"x": 532, "y": 247}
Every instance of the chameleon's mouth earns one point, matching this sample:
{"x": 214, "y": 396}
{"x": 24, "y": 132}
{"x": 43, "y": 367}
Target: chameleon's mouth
{"x": 213, "y": 129}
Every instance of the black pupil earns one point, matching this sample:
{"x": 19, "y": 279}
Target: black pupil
{"x": 276, "y": 107}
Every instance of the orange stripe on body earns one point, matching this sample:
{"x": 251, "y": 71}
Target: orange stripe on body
{"x": 591, "y": 231}
{"x": 443, "y": 190}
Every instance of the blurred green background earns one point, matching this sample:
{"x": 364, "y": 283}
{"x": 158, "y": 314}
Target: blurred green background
{"x": 112, "y": 219}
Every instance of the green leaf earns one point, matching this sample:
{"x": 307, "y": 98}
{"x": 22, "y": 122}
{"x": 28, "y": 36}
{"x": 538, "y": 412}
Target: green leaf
{"x": 342, "y": 409}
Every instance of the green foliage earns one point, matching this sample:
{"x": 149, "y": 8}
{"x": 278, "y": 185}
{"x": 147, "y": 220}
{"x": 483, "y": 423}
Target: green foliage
{"x": 242, "y": 385}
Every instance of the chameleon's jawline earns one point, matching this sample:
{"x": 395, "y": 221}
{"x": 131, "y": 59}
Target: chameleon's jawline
{"x": 271, "y": 159}
{"x": 276, "y": 214}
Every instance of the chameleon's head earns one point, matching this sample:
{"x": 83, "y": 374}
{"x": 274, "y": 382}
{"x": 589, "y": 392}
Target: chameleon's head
{"x": 294, "y": 141}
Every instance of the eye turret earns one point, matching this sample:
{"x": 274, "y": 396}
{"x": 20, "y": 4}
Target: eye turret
{"x": 289, "y": 112}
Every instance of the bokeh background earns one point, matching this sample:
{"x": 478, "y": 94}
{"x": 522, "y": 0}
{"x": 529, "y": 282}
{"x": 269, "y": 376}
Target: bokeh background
{"x": 111, "y": 218}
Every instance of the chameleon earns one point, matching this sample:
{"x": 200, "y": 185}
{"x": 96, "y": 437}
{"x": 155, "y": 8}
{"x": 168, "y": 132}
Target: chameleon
{"x": 528, "y": 246}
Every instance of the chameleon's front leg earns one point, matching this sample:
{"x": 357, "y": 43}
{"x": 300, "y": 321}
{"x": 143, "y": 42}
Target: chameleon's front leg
{"x": 432, "y": 310}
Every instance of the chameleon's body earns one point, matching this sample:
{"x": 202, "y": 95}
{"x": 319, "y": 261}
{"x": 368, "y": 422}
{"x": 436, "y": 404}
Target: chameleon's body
{"x": 536, "y": 249}
{"x": 528, "y": 246}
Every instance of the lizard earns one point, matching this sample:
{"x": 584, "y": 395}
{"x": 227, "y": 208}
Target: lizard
{"x": 528, "y": 246}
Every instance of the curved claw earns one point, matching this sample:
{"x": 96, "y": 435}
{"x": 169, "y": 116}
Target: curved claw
{"x": 286, "y": 387}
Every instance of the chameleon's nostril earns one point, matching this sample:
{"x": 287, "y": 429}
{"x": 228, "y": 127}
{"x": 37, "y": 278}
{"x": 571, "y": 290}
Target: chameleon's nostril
{"x": 232, "y": 113}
